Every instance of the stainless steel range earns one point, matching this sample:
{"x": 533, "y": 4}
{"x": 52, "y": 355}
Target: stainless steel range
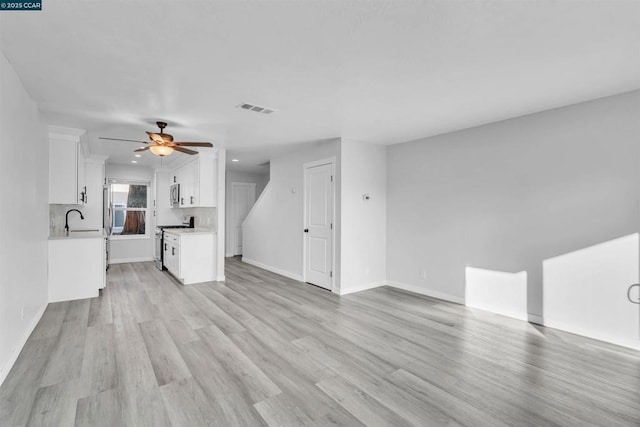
{"x": 188, "y": 222}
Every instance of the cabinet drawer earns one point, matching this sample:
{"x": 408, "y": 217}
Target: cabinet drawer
{"x": 171, "y": 238}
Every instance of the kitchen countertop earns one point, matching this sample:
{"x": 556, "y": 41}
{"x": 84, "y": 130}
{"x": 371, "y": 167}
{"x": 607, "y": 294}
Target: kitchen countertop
{"x": 78, "y": 234}
{"x": 181, "y": 231}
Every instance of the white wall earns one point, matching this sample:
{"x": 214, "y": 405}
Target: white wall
{"x": 363, "y": 222}
{"x": 259, "y": 179}
{"x": 585, "y": 291}
{"x": 24, "y": 213}
{"x": 133, "y": 249}
{"x": 273, "y": 232}
{"x": 508, "y": 195}
{"x": 497, "y": 291}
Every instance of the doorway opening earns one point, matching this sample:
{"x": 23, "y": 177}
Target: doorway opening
{"x": 243, "y": 196}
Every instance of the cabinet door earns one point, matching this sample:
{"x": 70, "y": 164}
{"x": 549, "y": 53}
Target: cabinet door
{"x": 172, "y": 259}
{"x": 82, "y": 181}
{"x": 176, "y": 259}
{"x": 178, "y": 177}
{"x": 166, "y": 256}
{"x": 198, "y": 182}
{"x": 185, "y": 178}
{"x": 63, "y": 172}
{"x": 194, "y": 198}
{"x": 188, "y": 177}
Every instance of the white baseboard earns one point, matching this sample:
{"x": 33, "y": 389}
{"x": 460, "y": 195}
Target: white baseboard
{"x": 359, "y": 288}
{"x": 518, "y": 315}
{"x": 16, "y": 352}
{"x": 585, "y": 332}
{"x": 284, "y": 273}
{"x": 424, "y": 291}
{"x": 221, "y": 278}
{"x": 126, "y": 260}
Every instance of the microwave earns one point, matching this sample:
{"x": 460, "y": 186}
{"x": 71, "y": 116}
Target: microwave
{"x": 174, "y": 195}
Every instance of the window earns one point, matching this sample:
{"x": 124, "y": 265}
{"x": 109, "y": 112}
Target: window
{"x": 129, "y": 202}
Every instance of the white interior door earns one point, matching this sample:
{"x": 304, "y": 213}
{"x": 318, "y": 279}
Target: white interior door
{"x": 243, "y": 196}
{"x": 318, "y": 224}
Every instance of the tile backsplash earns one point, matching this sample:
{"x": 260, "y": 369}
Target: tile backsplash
{"x": 204, "y": 217}
{"x": 57, "y": 213}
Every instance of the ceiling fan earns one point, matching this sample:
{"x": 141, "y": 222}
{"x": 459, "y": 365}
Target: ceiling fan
{"x": 162, "y": 144}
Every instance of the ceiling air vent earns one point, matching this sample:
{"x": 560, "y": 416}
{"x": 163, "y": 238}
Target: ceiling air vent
{"x": 256, "y": 108}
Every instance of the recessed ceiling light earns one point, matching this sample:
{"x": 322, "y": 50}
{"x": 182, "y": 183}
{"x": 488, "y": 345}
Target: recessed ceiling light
{"x": 134, "y": 161}
{"x": 235, "y": 160}
{"x": 138, "y": 155}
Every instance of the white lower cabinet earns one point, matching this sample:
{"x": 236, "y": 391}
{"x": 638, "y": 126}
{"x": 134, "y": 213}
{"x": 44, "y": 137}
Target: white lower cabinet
{"x": 172, "y": 254}
{"x": 76, "y": 268}
{"x": 190, "y": 256}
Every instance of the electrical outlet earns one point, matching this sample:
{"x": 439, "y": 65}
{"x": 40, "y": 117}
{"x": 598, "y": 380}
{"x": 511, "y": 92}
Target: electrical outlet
{"x": 22, "y": 314}
{"x": 423, "y": 274}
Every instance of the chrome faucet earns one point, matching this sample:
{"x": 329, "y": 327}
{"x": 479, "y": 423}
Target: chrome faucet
{"x": 66, "y": 220}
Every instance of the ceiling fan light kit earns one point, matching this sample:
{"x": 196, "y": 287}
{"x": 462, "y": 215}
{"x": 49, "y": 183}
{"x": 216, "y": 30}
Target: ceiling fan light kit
{"x": 162, "y": 144}
{"x": 161, "y": 150}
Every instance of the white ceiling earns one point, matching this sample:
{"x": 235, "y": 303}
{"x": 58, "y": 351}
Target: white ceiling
{"x": 375, "y": 71}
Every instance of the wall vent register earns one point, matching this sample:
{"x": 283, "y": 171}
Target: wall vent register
{"x": 256, "y": 108}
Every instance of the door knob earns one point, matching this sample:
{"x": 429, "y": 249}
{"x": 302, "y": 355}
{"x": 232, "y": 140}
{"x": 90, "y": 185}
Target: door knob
{"x": 629, "y": 293}
{"x": 306, "y": 230}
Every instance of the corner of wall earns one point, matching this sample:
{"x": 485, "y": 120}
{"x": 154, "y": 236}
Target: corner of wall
{"x": 6, "y": 368}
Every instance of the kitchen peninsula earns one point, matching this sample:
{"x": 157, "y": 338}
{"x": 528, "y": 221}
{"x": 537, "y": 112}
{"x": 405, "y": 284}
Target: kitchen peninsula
{"x": 77, "y": 264}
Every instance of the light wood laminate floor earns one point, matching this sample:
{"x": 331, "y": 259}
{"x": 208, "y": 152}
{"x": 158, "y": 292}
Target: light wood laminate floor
{"x": 261, "y": 349}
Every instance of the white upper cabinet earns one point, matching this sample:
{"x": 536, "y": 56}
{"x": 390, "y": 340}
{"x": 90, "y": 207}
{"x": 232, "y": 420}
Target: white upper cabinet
{"x": 82, "y": 177}
{"x": 188, "y": 188}
{"x": 198, "y": 179}
{"x": 66, "y": 167}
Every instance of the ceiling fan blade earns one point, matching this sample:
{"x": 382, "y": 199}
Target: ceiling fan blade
{"x": 155, "y": 137}
{"x": 141, "y": 149}
{"x": 128, "y": 140}
{"x": 184, "y": 150}
{"x": 194, "y": 144}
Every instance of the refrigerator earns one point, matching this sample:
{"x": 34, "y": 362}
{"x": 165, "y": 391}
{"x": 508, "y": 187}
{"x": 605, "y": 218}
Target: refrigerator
{"x": 107, "y": 220}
